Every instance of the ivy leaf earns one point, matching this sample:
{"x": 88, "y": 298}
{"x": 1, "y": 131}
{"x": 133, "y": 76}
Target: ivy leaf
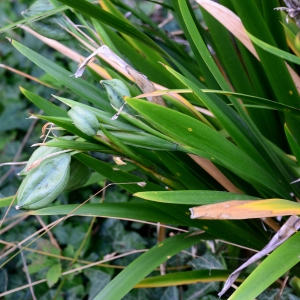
{"x": 53, "y": 274}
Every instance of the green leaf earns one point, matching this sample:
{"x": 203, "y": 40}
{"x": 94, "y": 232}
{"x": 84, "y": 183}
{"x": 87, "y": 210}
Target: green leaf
{"x": 98, "y": 280}
{"x": 274, "y": 266}
{"x": 147, "y": 141}
{"x": 273, "y": 50}
{"x": 95, "y": 178}
{"x": 140, "y": 124}
{"x": 231, "y": 120}
{"x": 176, "y": 215}
{"x": 189, "y": 132}
{"x": 53, "y": 275}
{"x": 39, "y": 263}
{"x": 118, "y": 143}
{"x": 101, "y": 15}
{"x": 7, "y": 201}
{"x": 140, "y": 55}
{"x": 147, "y": 262}
{"x": 79, "y": 86}
{"x": 293, "y": 143}
{"x": 192, "y": 197}
{"x": 48, "y": 107}
{"x": 102, "y": 116}
{"x": 78, "y": 145}
{"x": 184, "y": 170}
{"x": 182, "y": 278}
{"x": 200, "y": 44}
{"x": 283, "y": 87}
{"x": 117, "y": 176}
{"x": 208, "y": 79}
{"x": 67, "y": 124}
{"x": 129, "y": 210}
{"x": 162, "y": 4}
{"x": 261, "y": 101}
{"x": 241, "y": 80}
{"x": 50, "y": 27}
{"x": 34, "y": 18}
{"x": 286, "y": 93}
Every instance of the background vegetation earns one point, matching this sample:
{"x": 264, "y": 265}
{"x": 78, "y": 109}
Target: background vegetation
{"x": 229, "y": 130}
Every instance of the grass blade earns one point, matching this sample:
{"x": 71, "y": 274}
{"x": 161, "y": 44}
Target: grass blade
{"x": 77, "y": 85}
{"x": 192, "y": 197}
{"x": 192, "y": 133}
{"x": 146, "y": 263}
{"x": 274, "y": 266}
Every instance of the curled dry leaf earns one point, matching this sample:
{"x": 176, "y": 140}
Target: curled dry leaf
{"x": 141, "y": 80}
{"x": 230, "y": 21}
{"x": 164, "y": 92}
{"x": 145, "y": 85}
{"x": 287, "y": 230}
{"x": 118, "y": 160}
{"x": 68, "y": 52}
{"x": 98, "y": 69}
{"x": 246, "y": 209}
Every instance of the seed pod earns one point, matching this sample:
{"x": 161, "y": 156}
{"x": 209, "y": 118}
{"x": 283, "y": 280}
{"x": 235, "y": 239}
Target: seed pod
{"x": 117, "y": 86}
{"x": 84, "y": 120}
{"x": 116, "y": 90}
{"x": 79, "y": 175}
{"x": 38, "y": 154}
{"x": 45, "y": 182}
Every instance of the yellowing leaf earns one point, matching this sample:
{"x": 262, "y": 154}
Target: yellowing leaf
{"x": 180, "y": 278}
{"x": 164, "y": 92}
{"x": 246, "y": 209}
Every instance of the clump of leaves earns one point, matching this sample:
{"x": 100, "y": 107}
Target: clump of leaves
{"x": 205, "y": 128}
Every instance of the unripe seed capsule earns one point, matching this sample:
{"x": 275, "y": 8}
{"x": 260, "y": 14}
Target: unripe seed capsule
{"x": 38, "y": 154}
{"x": 84, "y": 120}
{"x": 116, "y": 86}
{"x": 79, "y": 175}
{"x": 116, "y": 90}
{"x": 44, "y": 183}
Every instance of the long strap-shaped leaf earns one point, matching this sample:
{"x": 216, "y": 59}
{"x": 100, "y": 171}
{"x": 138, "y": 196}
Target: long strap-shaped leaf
{"x": 117, "y": 176}
{"x": 183, "y": 278}
{"x": 101, "y": 15}
{"x": 140, "y": 211}
{"x": 146, "y": 263}
{"x": 189, "y": 132}
{"x": 40, "y": 16}
{"x": 79, "y": 86}
{"x": 275, "y": 68}
{"x": 255, "y": 137}
{"x": 274, "y": 266}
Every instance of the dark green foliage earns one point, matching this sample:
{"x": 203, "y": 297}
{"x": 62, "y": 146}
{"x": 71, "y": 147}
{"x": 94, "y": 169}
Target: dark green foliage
{"x": 235, "y": 129}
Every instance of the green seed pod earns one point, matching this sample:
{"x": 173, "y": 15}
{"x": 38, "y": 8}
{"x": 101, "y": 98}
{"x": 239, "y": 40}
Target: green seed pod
{"x": 116, "y": 90}
{"x": 117, "y": 86}
{"x": 45, "y": 182}
{"x": 39, "y": 153}
{"x": 79, "y": 175}
{"x": 84, "y": 120}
